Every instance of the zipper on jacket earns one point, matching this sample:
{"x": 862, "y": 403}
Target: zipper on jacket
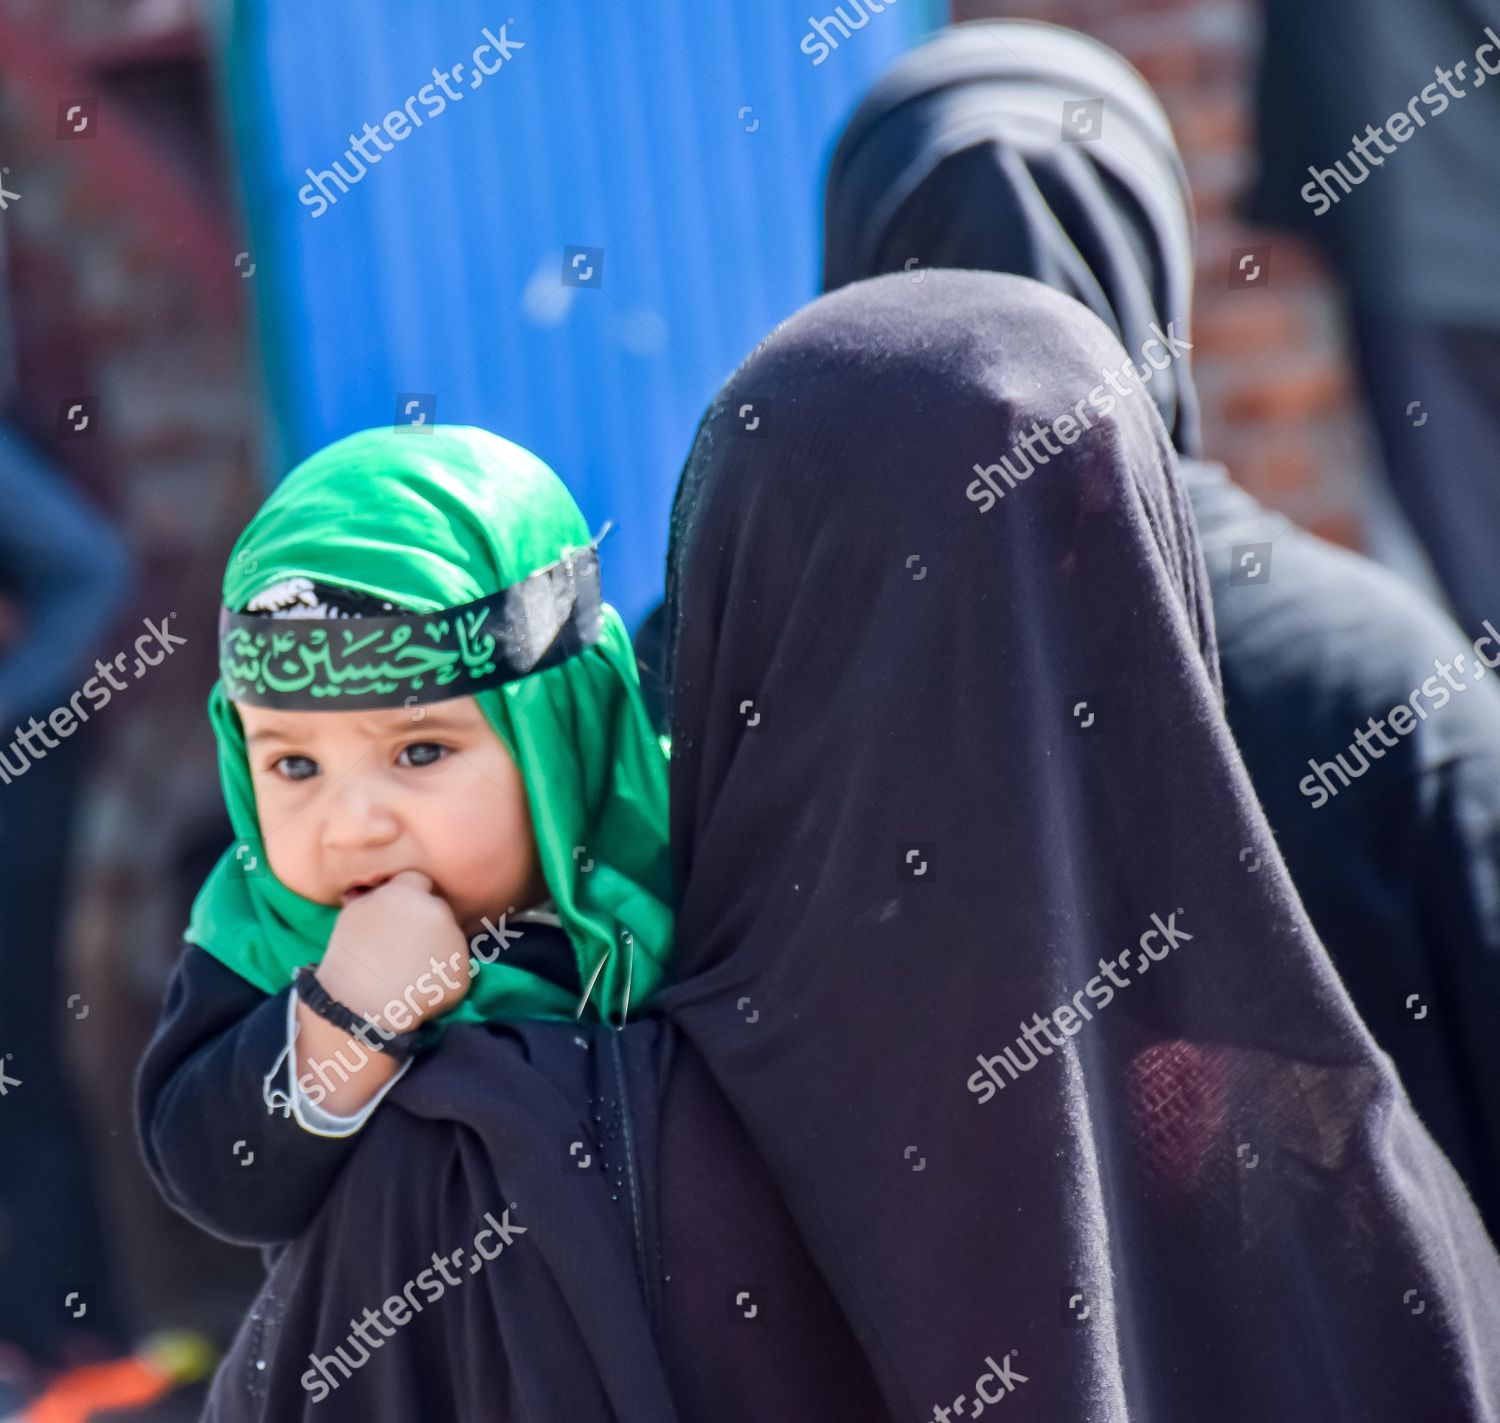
{"x": 644, "y": 1270}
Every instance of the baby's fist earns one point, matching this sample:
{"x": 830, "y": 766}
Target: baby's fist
{"x": 383, "y": 947}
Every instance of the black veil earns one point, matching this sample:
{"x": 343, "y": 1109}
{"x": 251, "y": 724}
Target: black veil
{"x": 1017, "y": 146}
{"x": 935, "y": 766}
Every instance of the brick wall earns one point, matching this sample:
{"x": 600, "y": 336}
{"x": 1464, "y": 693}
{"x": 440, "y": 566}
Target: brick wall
{"x": 1280, "y": 406}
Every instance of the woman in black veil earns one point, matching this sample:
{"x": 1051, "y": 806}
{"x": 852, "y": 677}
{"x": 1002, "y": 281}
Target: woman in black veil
{"x": 1014, "y": 146}
{"x": 1063, "y": 1096}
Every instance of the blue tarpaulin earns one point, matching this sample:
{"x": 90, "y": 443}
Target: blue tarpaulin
{"x": 573, "y": 250}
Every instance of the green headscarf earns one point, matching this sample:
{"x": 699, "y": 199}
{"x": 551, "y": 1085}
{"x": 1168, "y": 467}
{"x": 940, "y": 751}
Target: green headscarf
{"x": 427, "y": 520}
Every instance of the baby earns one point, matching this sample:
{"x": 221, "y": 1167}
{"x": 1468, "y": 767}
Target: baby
{"x": 419, "y": 831}
{"x": 449, "y": 805}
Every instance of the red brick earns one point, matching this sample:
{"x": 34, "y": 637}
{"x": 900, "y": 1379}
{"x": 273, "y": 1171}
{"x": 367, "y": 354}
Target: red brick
{"x": 1249, "y": 325}
{"x": 1342, "y": 526}
{"x": 1293, "y": 394}
{"x": 1163, "y": 64}
{"x": 1212, "y": 124}
{"x": 1289, "y": 263}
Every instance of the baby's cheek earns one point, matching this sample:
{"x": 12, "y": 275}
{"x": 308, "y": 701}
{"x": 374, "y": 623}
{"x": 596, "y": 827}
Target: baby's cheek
{"x": 486, "y": 845}
{"x": 288, "y": 861}
{"x": 495, "y": 853}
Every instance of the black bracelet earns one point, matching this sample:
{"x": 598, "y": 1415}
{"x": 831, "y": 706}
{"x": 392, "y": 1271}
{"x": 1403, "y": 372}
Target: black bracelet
{"x": 374, "y": 1037}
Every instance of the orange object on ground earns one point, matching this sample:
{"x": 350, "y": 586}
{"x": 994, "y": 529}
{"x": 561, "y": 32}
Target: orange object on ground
{"x": 162, "y": 1364}
{"x": 76, "y": 1396}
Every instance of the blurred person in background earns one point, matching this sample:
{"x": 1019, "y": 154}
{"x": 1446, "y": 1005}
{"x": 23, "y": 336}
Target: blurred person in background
{"x": 1378, "y": 128}
{"x": 958, "y": 158}
{"x": 63, "y": 573}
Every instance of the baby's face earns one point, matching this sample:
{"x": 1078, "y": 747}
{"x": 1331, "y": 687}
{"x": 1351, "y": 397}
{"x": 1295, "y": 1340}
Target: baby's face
{"x": 349, "y": 798}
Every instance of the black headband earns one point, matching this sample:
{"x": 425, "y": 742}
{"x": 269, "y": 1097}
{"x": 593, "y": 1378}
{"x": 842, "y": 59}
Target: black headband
{"x": 319, "y": 664}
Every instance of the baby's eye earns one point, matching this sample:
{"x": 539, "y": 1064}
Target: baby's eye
{"x": 422, "y": 753}
{"x": 296, "y": 768}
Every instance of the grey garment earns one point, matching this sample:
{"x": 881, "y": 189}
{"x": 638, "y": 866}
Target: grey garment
{"x": 1434, "y": 396}
{"x": 66, "y": 567}
{"x": 1399, "y": 870}
{"x": 1419, "y": 233}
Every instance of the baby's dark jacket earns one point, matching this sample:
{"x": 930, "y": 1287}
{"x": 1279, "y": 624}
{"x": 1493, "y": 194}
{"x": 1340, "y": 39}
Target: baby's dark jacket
{"x": 217, "y": 1153}
{"x": 215, "y": 1148}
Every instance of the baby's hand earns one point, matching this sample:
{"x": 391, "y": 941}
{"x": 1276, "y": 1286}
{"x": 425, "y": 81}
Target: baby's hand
{"x": 382, "y": 947}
